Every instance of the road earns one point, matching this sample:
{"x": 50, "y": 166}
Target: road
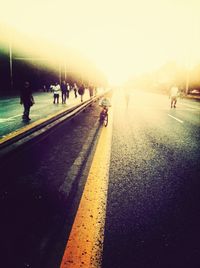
{"x": 152, "y": 214}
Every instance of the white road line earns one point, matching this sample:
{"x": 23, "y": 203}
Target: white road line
{"x": 17, "y": 115}
{"x": 2, "y": 120}
{"x": 180, "y": 121}
{"x": 9, "y": 118}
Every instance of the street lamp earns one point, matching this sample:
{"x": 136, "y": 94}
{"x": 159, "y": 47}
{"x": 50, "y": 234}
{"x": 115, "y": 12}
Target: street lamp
{"x": 11, "y": 64}
{"x": 187, "y": 81}
{"x": 65, "y": 75}
{"x": 60, "y": 75}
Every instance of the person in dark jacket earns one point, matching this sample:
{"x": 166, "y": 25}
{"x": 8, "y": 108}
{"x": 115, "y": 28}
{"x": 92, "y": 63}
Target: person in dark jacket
{"x": 81, "y": 91}
{"x": 64, "y": 91}
{"x": 75, "y": 90}
{"x": 68, "y": 90}
{"x": 27, "y": 100}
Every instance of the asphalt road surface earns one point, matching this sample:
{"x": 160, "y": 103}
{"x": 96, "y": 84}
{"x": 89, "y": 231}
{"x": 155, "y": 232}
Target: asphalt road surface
{"x": 153, "y": 206}
{"x": 34, "y": 210}
{"x": 153, "y": 201}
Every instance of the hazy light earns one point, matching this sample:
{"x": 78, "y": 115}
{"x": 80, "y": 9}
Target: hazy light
{"x": 122, "y": 37}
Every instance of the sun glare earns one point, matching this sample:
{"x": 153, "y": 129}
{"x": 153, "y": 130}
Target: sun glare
{"x": 122, "y": 38}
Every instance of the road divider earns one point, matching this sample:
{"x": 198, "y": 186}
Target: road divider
{"x": 85, "y": 244}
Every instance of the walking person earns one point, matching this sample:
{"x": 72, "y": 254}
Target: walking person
{"x": 127, "y": 97}
{"x": 56, "y": 93}
{"x": 68, "y": 90}
{"x": 51, "y": 87}
{"x": 91, "y": 91}
{"x": 27, "y": 100}
{"x": 81, "y": 91}
{"x": 174, "y": 93}
{"x": 75, "y": 90}
{"x": 64, "y": 91}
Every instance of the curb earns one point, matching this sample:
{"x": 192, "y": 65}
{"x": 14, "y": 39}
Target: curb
{"x": 66, "y": 189}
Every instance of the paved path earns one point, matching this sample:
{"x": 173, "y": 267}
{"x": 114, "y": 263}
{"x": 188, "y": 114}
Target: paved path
{"x": 11, "y": 111}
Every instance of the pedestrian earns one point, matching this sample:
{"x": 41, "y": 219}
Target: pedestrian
{"x": 51, "y": 87}
{"x": 64, "y": 91}
{"x": 81, "y": 91}
{"x": 127, "y": 96}
{"x": 75, "y": 90}
{"x": 174, "y": 93}
{"x": 68, "y": 90}
{"x": 44, "y": 88}
{"x": 27, "y": 100}
{"x": 91, "y": 91}
{"x": 56, "y": 92}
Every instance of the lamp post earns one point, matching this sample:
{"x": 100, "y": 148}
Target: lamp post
{"x": 11, "y": 64}
{"x": 65, "y": 74}
{"x": 187, "y": 81}
{"x": 59, "y": 72}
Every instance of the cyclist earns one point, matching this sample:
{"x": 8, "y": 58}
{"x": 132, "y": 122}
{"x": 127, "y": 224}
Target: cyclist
{"x": 104, "y": 103}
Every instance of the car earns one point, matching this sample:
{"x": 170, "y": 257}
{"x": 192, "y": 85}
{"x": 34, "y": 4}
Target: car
{"x": 195, "y": 91}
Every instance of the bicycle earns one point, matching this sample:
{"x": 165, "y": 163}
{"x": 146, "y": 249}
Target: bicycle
{"x": 103, "y": 118}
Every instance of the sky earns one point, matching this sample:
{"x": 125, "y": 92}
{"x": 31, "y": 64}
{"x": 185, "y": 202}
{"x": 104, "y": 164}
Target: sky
{"x": 122, "y": 37}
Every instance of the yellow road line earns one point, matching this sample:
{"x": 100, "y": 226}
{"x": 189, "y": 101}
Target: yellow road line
{"x": 85, "y": 244}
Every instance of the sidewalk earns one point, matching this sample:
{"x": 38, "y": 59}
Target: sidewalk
{"x": 11, "y": 110}
{"x": 193, "y": 97}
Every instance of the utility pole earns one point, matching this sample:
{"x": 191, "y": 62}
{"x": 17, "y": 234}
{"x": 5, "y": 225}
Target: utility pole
{"x": 187, "y": 81}
{"x": 59, "y": 74}
{"x": 11, "y": 64}
{"x": 65, "y": 74}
